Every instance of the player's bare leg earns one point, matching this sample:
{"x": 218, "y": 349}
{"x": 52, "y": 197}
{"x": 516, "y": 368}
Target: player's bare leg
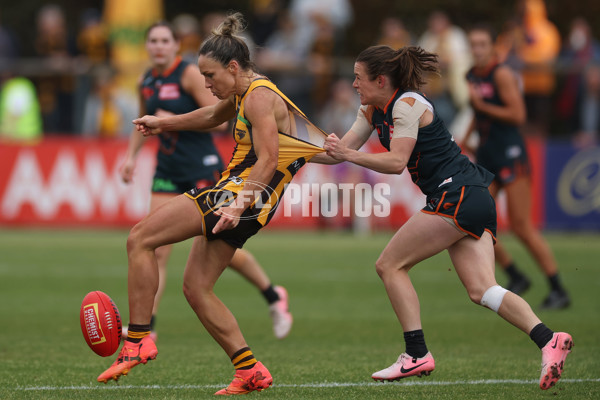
{"x": 421, "y": 237}
{"x": 518, "y": 197}
{"x": 247, "y": 266}
{"x": 162, "y": 253}
{"x": 518, "y": 283}
{"x": 174, "y": 221}
{"x": 474, "y": 263}
{"x": 206, "y": 263}
{"x": 412, "y": 243}
{"x": 162, "y": 258}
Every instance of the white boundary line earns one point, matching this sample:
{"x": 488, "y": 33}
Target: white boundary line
{"x": 307, "y": 385}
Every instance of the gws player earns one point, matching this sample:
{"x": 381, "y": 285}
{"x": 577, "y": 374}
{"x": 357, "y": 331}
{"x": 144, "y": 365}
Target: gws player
{"x": 459, "y": 215}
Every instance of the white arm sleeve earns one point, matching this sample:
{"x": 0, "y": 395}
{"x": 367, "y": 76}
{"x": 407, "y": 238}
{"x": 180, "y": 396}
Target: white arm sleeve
{"x": 362, "y": 127}
{"x": 406, "y": 118}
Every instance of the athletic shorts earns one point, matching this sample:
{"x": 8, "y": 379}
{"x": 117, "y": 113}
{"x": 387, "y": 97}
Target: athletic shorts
{"x": 507, "y": 164}
{"x": 471, "y": 208}
{"x": 205, "y": 199}
{"x": 162, "y": 183}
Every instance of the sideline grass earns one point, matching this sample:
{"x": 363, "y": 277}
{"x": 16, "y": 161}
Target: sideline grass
{"x": 344, "y": 326}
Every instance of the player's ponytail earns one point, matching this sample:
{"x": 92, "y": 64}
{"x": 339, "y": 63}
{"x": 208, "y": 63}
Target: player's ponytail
{"x": 225, "y": 44}
{"x": 406, "y": 67}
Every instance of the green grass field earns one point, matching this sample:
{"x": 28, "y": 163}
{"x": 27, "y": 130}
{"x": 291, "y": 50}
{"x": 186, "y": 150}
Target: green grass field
{"x": 344, "y": 326}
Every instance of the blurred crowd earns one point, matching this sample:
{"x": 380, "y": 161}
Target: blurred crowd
{"x": 70, "y": 87}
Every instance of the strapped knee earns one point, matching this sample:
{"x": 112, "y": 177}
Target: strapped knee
{"x": 492, "y": 298}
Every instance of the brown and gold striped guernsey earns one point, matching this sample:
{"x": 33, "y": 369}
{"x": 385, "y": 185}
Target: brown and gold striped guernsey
{"x": 295, "y": 148}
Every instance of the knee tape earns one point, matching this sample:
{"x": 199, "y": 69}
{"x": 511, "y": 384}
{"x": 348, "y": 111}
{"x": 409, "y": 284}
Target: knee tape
{"x": 492, "y": 298}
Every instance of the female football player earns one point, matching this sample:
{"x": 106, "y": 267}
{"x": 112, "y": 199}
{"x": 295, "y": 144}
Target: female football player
{"x": 499, "y": 110}
{"x": 186, "y": 159}
{"x": 220, "y": 217}
{"x": 459, "y": 214}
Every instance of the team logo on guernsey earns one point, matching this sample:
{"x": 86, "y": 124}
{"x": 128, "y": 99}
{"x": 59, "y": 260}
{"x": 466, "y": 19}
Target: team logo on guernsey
{"x": 264, "y": 199}
{"x": 168, "y": 91}
{"x": 236, "y": 179}
{"x": 147, "y": 92}
{"x": 486, "y": 90}
{"x": 240, "y": 134}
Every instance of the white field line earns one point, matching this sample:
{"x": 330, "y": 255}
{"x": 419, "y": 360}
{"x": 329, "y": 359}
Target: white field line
{"x": 306, "y": 385}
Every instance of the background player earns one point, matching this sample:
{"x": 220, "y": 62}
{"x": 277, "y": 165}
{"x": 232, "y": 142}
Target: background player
{"x": 187, "y": 159}
{"x": 459, "y": 216}
{"x": 499, "y": 110}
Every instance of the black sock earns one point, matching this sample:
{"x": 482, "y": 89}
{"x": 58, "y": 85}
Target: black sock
{"x": 152, "y": 322}
{"x": 135, "y": 333}
{"x": 270, "y": 295}
{"x": 513, "y": 271}
{"x": 555, "y": 283}
{"x": 541, "y": 334}
{"x": 243, "y": 359}
{"x": 415, "y": 343}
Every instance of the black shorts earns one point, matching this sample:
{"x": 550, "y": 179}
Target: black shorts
{"x": 471, "y": 208}
{"x": 506, "y": 163}
{"x": 205, "y": 200}
{"x": 161, "y": 183}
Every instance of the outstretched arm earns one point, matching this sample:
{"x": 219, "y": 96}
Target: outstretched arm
{"x": 136, "y": 141}
{"x": 350, "y": 140}
{"x": 407, "y": 119}
{"x": 198, "y": 120}
{"x": 392, "y": 162}
{"x": 193, "y": 83}
{"x": 354, "y": 139}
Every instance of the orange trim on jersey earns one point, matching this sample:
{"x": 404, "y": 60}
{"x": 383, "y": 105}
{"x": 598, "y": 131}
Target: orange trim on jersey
{"x": 169, "y": 70}
{"x": 390, "y": 101}
{"x": 415, "y": 170}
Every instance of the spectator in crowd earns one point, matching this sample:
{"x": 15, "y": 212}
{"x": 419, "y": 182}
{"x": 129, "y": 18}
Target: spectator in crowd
{"x": 283, "y": 58}
{"x": 531, "y": 44}
{"x": 9, "y": 48}
{"x": 449, "y": 90}
{"x": 187, "y": 28}
{"x": 92, "y": 39}
{"x": 309, "y": 16}
{"x": 589, "y": 113}
{"x": 264, "y": 18}
{"x": 321, "y": 61}
{"x": 56, "y": 47}
{"x": 580, "y": 50}
{"x": 101, "y": 115}
{"x": 93, "y": 53}
{"x": 393, "y": 33}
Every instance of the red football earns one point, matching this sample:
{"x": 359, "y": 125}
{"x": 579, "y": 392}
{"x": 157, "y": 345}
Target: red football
{"x": 100, "y": 323}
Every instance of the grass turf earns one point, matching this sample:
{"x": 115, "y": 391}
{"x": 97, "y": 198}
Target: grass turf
{"x": 344, "y": 326}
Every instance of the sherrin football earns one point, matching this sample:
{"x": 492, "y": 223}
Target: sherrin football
{"x": 100, "y": 323}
